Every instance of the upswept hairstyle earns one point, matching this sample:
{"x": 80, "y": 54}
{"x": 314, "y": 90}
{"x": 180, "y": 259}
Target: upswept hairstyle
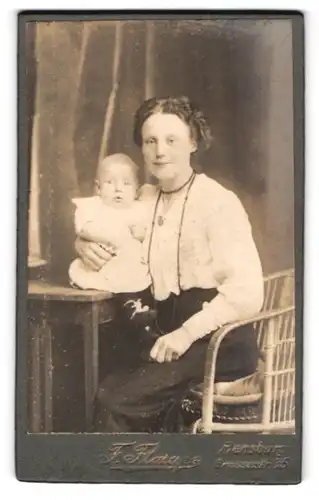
{"x": 183, "y": 108}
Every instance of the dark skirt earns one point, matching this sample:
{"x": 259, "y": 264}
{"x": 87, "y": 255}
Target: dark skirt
{"x": 137, "y": 395}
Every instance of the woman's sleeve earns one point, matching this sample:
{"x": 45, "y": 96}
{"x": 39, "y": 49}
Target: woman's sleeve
{"x": 236, "y": 267}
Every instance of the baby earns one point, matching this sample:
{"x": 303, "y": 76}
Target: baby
{"x": 113, "y": 218}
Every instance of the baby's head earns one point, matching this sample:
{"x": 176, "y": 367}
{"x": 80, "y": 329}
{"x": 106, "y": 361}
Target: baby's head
{"x": 116, "y": 181}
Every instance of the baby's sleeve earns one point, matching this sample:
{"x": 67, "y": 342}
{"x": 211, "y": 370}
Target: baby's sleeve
{"x": 84, "y": 212}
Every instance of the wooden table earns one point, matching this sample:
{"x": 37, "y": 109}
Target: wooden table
{"x": 52, "y": 304}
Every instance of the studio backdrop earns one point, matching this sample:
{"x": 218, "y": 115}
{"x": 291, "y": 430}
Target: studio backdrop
{"x": 86, "y": 80}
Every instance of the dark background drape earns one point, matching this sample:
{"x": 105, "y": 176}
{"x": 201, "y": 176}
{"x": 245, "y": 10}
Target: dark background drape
{"x": 238, "y": 71}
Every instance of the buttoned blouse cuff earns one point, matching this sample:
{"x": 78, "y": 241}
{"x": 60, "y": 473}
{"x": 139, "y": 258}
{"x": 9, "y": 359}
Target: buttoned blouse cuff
{"x": 200, "y": 324}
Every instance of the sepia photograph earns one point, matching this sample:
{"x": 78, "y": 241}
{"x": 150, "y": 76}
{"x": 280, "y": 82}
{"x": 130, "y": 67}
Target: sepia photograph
{"x": 161, "y": 246}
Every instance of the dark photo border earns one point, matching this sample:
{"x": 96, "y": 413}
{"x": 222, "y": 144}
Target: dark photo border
{"x": 96, "y": 458}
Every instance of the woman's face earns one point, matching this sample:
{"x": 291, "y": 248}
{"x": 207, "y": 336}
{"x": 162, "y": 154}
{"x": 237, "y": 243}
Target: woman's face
{"x": 166, "y": 145}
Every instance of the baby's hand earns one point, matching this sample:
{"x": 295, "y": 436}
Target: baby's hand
{"x": 138, "y": 231}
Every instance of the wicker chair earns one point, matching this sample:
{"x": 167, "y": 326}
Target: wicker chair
{"x": 272, "y": 387}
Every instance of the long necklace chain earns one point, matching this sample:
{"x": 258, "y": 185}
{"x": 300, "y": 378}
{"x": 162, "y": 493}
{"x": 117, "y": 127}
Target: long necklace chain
{"x": 190, "y": 183}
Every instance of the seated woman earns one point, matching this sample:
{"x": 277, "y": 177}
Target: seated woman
{"x": 205, "y": 272}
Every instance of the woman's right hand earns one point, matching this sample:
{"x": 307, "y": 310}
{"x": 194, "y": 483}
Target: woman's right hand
{"x": 93, "y": 254}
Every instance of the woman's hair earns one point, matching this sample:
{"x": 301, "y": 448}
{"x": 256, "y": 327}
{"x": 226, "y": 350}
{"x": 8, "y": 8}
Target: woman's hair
{"x": 179, "y": 106}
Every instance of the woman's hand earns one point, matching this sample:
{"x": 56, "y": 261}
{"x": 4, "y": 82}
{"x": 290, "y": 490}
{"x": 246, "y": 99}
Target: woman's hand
{"x": 171, "y": 346}
{"x": 93, "y": 254}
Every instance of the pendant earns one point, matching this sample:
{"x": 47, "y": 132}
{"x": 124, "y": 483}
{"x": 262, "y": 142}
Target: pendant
{"x": 160, "y": 220}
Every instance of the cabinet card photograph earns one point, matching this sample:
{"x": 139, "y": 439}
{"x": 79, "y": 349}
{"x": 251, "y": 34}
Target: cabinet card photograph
{"x": 160, "y": 248}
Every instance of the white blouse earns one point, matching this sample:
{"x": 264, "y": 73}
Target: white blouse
{"x": 164, "y": 248}
{"x": 216, "y": 250}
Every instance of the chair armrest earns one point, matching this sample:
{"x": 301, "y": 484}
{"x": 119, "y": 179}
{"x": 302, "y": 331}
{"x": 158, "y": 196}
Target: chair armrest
{"x": 211, "y": 358}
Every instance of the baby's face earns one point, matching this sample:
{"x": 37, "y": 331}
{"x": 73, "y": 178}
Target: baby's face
{"x": 117, "y": 185}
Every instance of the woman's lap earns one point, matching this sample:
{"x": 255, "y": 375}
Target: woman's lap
{"x": 142, "y": 391}
{"x": 151, "y": 384}
{"x": 139, "y": 391}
